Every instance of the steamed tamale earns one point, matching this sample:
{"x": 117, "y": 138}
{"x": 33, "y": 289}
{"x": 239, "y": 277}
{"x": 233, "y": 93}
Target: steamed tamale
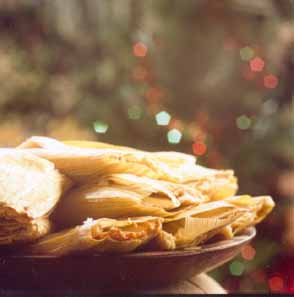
{"x": 214, "y": 184}
{"x": 29, "y": 189}
{"x": 227, "y": 218}
{"x": 84, "y": 160}
{"x": 119, "y": 186}
{"x": 199, "y": 223}
{"x": 257, "y": 209}
{"x": 84, "y": 163}
{"x": 124, "y": 195}
{"x": 101, "y": 236}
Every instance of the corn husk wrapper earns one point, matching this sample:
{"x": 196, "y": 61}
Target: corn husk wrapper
{"x": 12, "y": 232}
{"x": 199, "y": 223}
{"x": 99, "y": 236}
{"x": 157, "y": 193}
{"x": 212, "y": 183}
{"x": 172, "y": 159}
{"x": 124, "y": 195}
{"x": 164, "y": 241}
{"x": 257, "y": 209}
{"x": 99, "y": 202}
{"x": 30, "y": 187}
{"x": 85, "y": 160}
{"x": 84, "y": 163}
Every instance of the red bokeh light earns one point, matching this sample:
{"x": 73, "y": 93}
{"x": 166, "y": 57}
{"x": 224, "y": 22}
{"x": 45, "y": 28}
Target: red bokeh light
{"x": 276, "y": 283}
{"x": 199, "y": 148}
{"x": 257, "y": 64}
{"x": 140, "y": 49}
{"x": 270, "y": 81}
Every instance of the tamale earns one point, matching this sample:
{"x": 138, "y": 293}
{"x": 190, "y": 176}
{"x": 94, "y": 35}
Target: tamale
{"x": 100, "y": 202}
{"x": 85, "y": 164}
{"x": 99, "y": 236}
{"x": 164, "y": 241}
{"x": 167, "y": 195}
{"x": 85, "y": 159}
{"x": 124, "y": 195}
{"x": 29, "y": 189}
{"x": 173, "y": 159}
{"x": 199, "y": 223}
{"x": 27, "y": 231}
{"x": 93, "y": 159}
{"x": 214, "y": 184}
{"x": 257, "y": 209}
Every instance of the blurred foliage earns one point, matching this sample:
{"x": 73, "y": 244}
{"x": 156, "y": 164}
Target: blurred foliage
{"x": 66, "y": 65}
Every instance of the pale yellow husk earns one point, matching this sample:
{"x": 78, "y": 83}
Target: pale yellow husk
{"x": 103, "y": 235}
{"x": 30, "y": 188}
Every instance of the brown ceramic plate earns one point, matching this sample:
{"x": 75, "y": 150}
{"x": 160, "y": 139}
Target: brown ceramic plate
{"x": 108, "y": 273}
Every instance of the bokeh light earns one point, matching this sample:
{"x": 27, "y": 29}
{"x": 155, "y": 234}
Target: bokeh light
{"x": 276, "y": 283}
{"x": 237, "y": 268}
{"x": 243, "y": 122}
{"x": 248, "y": 252}
{"x": 270, "y": 81}
{"x": 140, "y": 49}
{"x": 199, "y": 148}
{"x": 174, "y": 136}
{"x": 162, "y": 118}
{"x": 257, "y": 64}
{"x": 100, "y": 127}
{"x": 246, "y": 53}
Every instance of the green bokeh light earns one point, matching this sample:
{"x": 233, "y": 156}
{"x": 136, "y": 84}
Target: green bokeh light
{"x": 246, "y": 53}
{"x": 174, "y": 136}
{"x": 243, "y": 122}
{"x": 237, "y": 268}
{"x": 163, "y": 118}
{"x": 100, "y": 127}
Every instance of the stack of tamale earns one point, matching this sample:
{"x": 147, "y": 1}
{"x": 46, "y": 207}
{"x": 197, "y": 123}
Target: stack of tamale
{"x": 105, "y": 198}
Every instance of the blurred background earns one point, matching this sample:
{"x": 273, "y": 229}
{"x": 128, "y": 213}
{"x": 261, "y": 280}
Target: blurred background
{"x": 207, "y": 77}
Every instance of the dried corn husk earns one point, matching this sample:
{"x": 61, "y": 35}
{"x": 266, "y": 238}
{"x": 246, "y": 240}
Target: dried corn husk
{"x": 257, "y": 209}
{"x": 101, "y": 236}
{"x": 124, "y": 195}
{"x": 214, "y": 184}
{"x": 198, "y": 223}
{"x": 29, "y": 190}
{"x": 23, "y": 232}
{"x": 173, "y": 159}
{"x": 83, "y": 160}
{"x": 100, "y": 202}
{"x": 85, "y": 164}
{"x": 159, "y": 193}
{"x": 100, "y": 159}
